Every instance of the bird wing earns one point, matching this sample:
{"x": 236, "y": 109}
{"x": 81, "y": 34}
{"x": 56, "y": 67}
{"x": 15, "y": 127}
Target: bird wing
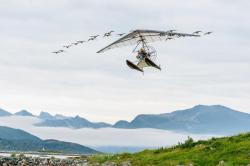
{"x": 144, "y": 35}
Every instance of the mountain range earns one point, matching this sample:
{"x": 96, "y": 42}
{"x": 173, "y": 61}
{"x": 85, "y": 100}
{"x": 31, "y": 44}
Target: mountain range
{"x": 214, "y": 119}
{"x": 18, "y": 140}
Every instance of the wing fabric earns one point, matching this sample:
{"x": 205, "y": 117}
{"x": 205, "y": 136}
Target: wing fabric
{"x": 146, "y": 36}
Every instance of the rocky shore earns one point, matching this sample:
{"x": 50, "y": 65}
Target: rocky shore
{"x": 37, "y": 161}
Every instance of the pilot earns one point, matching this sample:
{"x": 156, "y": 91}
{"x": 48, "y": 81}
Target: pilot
{"x": 141, "y": 54}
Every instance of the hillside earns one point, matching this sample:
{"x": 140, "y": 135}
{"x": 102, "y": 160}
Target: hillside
{"x": 19, "y": 140}
{"x": 16, "y": 134}
{"x": 233, "y": 150}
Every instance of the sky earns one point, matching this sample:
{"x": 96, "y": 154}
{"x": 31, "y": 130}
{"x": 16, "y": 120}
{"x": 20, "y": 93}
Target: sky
{"x": 209, "y": 70}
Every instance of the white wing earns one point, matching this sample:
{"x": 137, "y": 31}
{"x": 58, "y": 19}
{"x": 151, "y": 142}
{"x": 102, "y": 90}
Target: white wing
{"x": 144, "y": 35}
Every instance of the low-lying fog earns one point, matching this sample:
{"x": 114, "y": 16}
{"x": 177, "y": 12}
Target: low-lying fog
{"x": 103, "y": 137}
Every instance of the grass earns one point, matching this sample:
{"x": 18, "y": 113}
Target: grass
{"x": 227, "y": 151}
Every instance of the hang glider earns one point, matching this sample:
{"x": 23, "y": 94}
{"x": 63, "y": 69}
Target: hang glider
{"x": 145, "y": 54}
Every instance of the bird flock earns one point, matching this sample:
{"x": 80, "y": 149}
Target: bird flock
{"x": 91, "y": 38}
{"x": 180, "y": 35}
{"x": 110, "y": 33}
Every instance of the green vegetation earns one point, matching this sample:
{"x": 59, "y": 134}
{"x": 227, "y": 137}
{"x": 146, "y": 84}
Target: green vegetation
{"x": 228, "y": 151}
{"x": 13, "y": 155}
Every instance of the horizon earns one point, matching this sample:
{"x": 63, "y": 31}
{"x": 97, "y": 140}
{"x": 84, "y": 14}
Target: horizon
{"x": 112, "y": 123}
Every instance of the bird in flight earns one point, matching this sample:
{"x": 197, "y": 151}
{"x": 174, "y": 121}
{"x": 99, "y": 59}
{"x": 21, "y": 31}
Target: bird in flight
{"x": 169, "y": 38}
{"x": 121, "y": 34}
{"x": 56, "y": 52}
{"x": 67, "y": 46}
{"x": 108, "y": 33}
{"x": 208, "y": 33}
{"x": 197, "y": 32}
{"x": 76, "y": 43}
{"x": 93, "y": 37}
{"x": 172, "y": 30}
{"x": 81, "y": 41}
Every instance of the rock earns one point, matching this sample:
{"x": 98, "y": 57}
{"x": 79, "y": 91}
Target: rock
{"x": 221, "y": 162}
{"x": 126, "y": 163}
{"x": 36, "y": 161}
{"x": 109, "y": 164}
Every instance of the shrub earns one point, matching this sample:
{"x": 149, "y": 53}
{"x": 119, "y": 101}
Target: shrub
{"x": 188, "y": 143}
{"x": 13, "y": 155}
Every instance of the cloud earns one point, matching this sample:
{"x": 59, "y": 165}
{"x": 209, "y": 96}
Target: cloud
{"x": 207, "y": 70}
{"x": 102, "y": 137}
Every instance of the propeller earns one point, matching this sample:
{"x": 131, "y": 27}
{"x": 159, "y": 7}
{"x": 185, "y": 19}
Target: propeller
{"x": 152, "y": 53}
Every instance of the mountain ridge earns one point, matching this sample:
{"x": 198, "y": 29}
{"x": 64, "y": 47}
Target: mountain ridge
{"x": 200, "y": 119}
{"x": 4, "y": 112}
{"x": 72, "y": 122}
{"x": 23, "y": 113}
